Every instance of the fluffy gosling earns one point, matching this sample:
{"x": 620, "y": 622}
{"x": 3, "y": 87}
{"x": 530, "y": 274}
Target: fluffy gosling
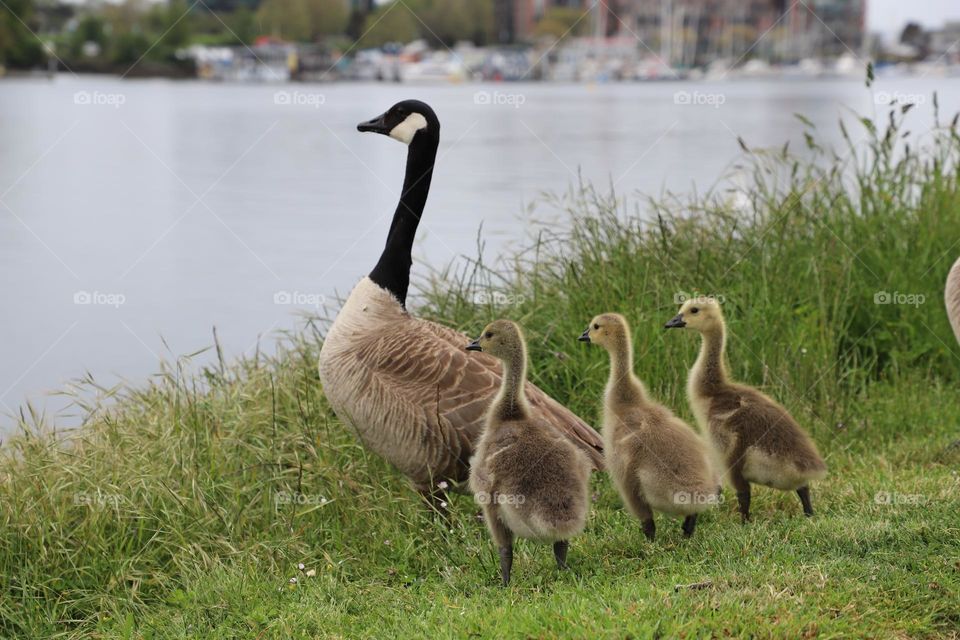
{"x": 530, "y": 481}
{"x": 657, "y": 462}
{"x": 758, "y": 440}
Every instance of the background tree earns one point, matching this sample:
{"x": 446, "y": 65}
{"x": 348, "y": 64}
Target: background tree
{"x": 391, "y": 22}
{"x": 560, "y": 21}
{"x": 327, "y": 17}
{"x": 19, "y": 48}
{"x": 285, "y": 19}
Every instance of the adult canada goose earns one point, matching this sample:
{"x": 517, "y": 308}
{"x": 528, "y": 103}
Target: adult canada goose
{"x": 406, "y": 385}
{"x": 655, "y": 460}
{"x": 530, "y": 481}
{"x": 951, "y": 296}
{"x": 759, "y": 441}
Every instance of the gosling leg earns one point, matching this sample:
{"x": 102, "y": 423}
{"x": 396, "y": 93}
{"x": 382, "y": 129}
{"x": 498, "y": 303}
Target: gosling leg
{"x": 503, "y": 538}
{"x": 649, "y": 528}
{"x": 560, "y": 553}
{"x": 743, "y": 493}
{"x": 804, "y": 493}
{"x": 689, "y": 523}
{"x": 639, "y": 507}
{"x": 506, "y": 563}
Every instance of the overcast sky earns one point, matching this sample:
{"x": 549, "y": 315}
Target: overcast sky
{"x": 889, "y": 16}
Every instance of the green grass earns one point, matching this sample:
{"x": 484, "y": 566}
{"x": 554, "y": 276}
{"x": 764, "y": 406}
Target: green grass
{"x": 159, "y": 517}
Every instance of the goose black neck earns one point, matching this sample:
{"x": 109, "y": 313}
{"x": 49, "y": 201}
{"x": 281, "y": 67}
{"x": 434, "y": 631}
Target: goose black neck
{"x": 393, "y": 269}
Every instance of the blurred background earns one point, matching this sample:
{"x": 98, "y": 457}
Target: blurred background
{"x": 171, "y": 167}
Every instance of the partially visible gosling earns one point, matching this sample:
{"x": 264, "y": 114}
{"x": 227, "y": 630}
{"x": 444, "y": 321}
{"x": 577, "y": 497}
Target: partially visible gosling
{"x": 530, "y": 481}
{"x": 657, "y": 462}
{"x": 759, "y": 441}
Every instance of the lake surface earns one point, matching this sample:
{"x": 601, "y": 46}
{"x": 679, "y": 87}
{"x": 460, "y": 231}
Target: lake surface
{"x": 136, "y": 215}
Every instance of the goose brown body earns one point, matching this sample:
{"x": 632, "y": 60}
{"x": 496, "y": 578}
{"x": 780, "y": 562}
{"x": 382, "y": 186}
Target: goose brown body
{"x": 656, "y": 461}
{"x": 414, "y": 396}
{"x": 758, "y": 440}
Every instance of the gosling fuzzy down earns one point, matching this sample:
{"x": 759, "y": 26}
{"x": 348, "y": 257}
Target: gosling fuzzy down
{"x": 757, "y": 438}
{"x": 656, "y": 461}
{"x": 530, "y": 480}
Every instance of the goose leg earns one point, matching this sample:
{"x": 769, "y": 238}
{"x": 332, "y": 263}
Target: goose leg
{"x": 560, "y": 553}
{"x": 804, "y": 493}
{"x": 743, "y": 492}
{"x": 689, "y": 523}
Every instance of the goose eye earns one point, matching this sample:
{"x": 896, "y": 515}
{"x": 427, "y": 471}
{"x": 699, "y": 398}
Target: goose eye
{"x": 488, "y": 335}
{"x": 694, "y": 310}
{"x": 596, "y": 326}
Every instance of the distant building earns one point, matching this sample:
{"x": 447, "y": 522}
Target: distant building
{"x": 945, "y": 43}
{"x": 697, "y": 32}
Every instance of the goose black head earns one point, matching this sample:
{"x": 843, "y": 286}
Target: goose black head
{"x": 405, "y": 121}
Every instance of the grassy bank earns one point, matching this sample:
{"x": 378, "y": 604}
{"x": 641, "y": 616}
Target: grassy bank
{"x": 185, "y": 509}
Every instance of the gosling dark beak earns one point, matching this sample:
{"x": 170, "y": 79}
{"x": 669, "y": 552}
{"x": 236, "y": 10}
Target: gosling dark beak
{"x": 676, "y": 322}
{"x": 474, "y": 346}
{"x": 377, "y": 125}
{"x": 586, "y": 335}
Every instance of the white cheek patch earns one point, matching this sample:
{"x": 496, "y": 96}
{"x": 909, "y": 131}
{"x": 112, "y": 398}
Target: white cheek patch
{"x": 405, "y": 131}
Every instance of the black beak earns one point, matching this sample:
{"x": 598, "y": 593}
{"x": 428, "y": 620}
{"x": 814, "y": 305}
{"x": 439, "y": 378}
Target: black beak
{"x": 586, "y": 335}
{"x": 676, "y": 322}
{"x": 377, "y": 125}
{"x": 474, "y": 346}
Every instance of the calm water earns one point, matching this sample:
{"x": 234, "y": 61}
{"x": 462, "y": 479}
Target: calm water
{"x": 174, "y": 207}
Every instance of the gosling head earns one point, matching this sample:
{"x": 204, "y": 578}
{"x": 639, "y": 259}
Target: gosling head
{"x": 701, "y": 313}
{"x": 408, "y": 121}
{"x": 501, "y": 339}
{"x": 606, "y": 330}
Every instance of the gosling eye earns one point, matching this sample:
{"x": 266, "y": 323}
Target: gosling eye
{"x": 596, "y": 326}
{"x": 488, "y": 335}
{"x": 694, "y": 310}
